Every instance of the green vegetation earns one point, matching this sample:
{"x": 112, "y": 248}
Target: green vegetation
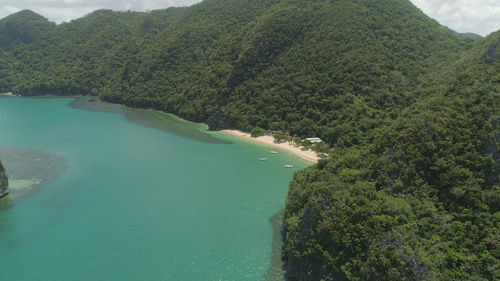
{"x": 411, "y": 190}
{"x": 311, "y": 68}
{"x": 421, "y": 201}
{"x": 473, "y": 36}
{"x": 257, "y": 132}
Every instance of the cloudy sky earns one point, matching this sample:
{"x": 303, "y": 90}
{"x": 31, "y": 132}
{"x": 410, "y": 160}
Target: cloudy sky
{"x": 478, "y": 16}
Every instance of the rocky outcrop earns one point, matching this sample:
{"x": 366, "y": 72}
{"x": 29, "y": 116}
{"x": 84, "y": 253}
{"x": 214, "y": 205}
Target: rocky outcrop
{"x": 4, "y": 183}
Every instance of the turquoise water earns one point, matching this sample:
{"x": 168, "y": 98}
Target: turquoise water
{"x": 137, "y": 203}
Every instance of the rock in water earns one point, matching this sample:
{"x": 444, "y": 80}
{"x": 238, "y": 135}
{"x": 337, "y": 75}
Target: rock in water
{"x": 4, "y": 183}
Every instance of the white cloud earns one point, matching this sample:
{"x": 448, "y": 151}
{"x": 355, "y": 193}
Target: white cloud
{"x": 7, "y": 10}
{"x": 478, "y": 16}
{"x": 64, "y": 14}
{"x": 66, "y": 10}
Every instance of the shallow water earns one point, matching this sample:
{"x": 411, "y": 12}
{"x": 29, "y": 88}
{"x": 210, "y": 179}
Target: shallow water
{"x": 28, "y": 170}
{"x": 137, "y": 203}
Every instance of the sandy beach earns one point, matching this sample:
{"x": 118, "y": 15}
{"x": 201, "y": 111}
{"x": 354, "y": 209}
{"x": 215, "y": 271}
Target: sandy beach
{"x": 306, "y": 154}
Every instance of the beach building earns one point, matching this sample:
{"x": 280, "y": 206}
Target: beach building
{"x": 314, "y": 140}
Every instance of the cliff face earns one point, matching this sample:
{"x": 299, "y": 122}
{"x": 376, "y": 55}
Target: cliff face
{"x": 4, "y": 183}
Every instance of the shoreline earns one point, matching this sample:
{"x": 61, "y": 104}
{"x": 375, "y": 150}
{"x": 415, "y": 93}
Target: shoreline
{"x": 277, "y": 270}
{"x": 305, "y": 154}
{"x": 299, "y": 151}
{"x": 2, "y": 195}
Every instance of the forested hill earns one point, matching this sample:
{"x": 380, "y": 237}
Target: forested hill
{"x": 317, "y": 68}
{"x": 420, "y": 202}
{"x": 411, "y": 108}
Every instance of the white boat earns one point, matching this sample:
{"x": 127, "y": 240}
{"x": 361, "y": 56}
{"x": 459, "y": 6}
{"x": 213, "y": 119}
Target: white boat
{"x": 263, "y": 159}
{"x": 288, "y": 166}
{"x": 274, "y": 152}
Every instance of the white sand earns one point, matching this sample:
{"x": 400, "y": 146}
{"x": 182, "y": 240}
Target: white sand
{"x": 304, "y": 153}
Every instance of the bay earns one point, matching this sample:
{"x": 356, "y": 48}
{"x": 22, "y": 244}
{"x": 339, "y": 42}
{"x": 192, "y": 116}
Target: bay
{"x": 137, "y": 201}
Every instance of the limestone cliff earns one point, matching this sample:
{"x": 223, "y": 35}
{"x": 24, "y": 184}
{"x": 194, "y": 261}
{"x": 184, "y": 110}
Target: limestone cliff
{"x": 4, "y": 183}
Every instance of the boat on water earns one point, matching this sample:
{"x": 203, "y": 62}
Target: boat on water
{"x": 263, "y": 159}
{"x": 288, "y": 166}
{"x": 274, "y": 152}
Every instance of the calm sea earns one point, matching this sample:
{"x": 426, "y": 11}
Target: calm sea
{"x": 132, "y": 201}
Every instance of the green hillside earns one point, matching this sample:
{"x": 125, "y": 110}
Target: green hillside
{"x": 420, "y": 202}
{"x": 24, "y": 28}
{"x": 411, "y": 109}
{"x": 473, "y": 36}
{"x": 310, "y": 68}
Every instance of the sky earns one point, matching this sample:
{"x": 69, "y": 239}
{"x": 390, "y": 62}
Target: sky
{"x": 477, "y": 16}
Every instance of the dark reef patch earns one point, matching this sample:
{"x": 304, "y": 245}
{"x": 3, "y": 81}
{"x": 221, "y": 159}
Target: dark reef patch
{"x": 28, "y": 171}
{"x": 150, "y": 118}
